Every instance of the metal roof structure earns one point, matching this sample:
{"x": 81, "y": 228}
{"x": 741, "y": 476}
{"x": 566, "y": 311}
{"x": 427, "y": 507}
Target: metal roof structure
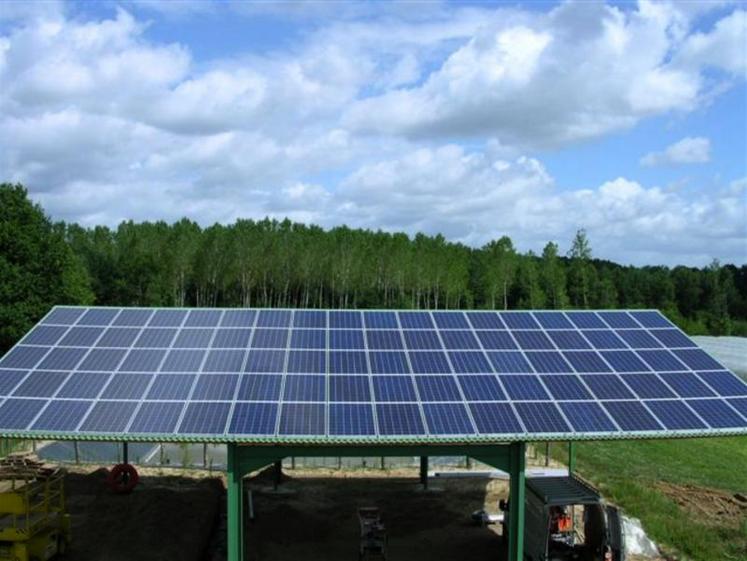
{"x": 283, "y": 376}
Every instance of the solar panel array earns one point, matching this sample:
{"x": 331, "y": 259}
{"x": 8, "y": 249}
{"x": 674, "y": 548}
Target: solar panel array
{"x": 278, "y": 375}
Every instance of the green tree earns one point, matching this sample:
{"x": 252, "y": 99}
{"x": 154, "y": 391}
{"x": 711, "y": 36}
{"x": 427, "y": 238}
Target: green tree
{"x": 552, "y": 278}
{"x": 581, "y": 270}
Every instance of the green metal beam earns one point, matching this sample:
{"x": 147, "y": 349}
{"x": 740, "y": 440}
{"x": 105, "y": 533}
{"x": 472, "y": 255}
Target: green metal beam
{"x": 516, "y": 504}
{"x": 234, "y": 522}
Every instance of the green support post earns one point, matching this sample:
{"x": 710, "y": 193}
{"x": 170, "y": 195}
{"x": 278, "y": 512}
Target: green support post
{"x": 516, "y": 504}
{"x": 424, "y": 471}
{"x": 235, "y": 524}
{"x": 571, "y": 458}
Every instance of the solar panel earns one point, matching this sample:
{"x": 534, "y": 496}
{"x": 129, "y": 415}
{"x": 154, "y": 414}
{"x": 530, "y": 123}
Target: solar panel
{"x": 244, "y": 374}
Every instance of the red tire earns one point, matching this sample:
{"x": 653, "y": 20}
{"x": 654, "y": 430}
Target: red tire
{"x": 123, "y": 478}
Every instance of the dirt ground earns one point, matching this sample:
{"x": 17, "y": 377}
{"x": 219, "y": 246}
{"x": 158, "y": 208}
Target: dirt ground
{"x": 710, "y": 506}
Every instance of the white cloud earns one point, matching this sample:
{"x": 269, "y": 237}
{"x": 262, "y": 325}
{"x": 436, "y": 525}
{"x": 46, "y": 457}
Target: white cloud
{"x": 689, "y": 150}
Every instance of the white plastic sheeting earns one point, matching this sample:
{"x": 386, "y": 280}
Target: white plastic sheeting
{"x": 729, "y": 351}
{"x": 636, "y": 540}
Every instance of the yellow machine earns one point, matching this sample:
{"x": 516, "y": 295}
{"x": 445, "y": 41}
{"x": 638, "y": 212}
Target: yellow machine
{"x": 33, "y": 522}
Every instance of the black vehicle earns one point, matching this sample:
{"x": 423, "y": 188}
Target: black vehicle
{"x": 567, "y": 520}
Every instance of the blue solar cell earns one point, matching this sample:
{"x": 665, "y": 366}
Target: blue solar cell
{"x": 647, "y": 386}
{"x": 524, "y": 387}
{"x": 215, "y": 387}
{"x": 624, "y": 361}
{"x": 618, "y": 320}
{"x": 447, "y": 418}
{"x": 156, "y": 418}
{"x": 133, "y": 317}
{"x": 307, "y": 362}
{"x": 416, "y": 320}
{"x": 23, "y": 357}
{"x": 171, "y": 387}
{"x": 102, "y": 360}
{"x": 470, "y": 361}
{"x": 459, "y": 340}
{"x": 394, "y": 388}
{"x": 509, "y": 362}
{"x": 254, "y": 418}
{"x": 62, "y": 416}
{"x": 18, "y": 413}
{"x": 587, "y": 416}
{"x": 422, "y": 340}
{"x": 672, "y": 338}
{"x": 81, "y": 337}
{"x": 548, "y": 361}
{"x": 631, "y": 415}
{"x": 389, "y": 363}
{"x": 142, "y": 360}
{"x": 63, "y": 316}
{"x": 302, "y": 419}
{"x": 348, "y": 362}
{"x": 274, "y": 318}
{"x": 44, "y": 335}
{"x": 566, "y": 387}
{"x": 308, "y": 339}
{"x": 167, "y": 318}
{"x": 260, "y": 387}
{"x": 481, "y": 388}
{"x": 351, "y": 419}
{"x": 305, "y": 388}
{"x": 429, "y": 362}
{"x": 9, "y": 379}
{"x": 661, "y": 361}
{"x": 41, "y": 384}
{"x": 536, "y": 340}
{"x": 568, "y": 340}
{"x": 193, "y": 338}
{"x": 62, "y": 359}
{"x": 542, "y": 417}
{"x": 345, "y": 320}
{"x": 98, "y": 316}
{"x": 183, "y": 361}
{"x": 586, "y": 320}
{"x": 109, "y": 417}
{"x": 675, "y": 415}
{"x": 586, "y": 361}
{"x": 121, "y": 337}
{"x": 495, "y": 418}
{"x": 651, "y": 319}
{"x": 231, "y": 338}
{"x": 485, "y": 320}
{"x": 450, "y": 320}
{"x": 638, "y": 339}
{"x": 126, "y": 386}
{"x": 438, "y": 388}
{"x": 384, "y": 340}
{"x": 156, "y": 338}
{"x": 399, "y": 419}
{"x": 519, "y": 320}
{"x": 270, "y": 339}
{"x": 347, "y": 339}
{"x": 265, "y": 361}
{"x": 725, "y": 383}
{"x": 310, "y": 318}
{"x": 499, "y": 340}
{"x": 380, "y": 320}
{"x": 697, "y": 359}
{"x": 740, "y": 405}
{"x": 205, "y": 418}
{"x": 349, "y": 388}
{"x": 238, "y": 318}
{"x": 553, "y": 320}
{"x": 224, "y": 361}
{"x": 607, "y": 386}
{"x": 717, "y": 413}
{"x": 606, "y": 339}
{"x": 687, "y": 384}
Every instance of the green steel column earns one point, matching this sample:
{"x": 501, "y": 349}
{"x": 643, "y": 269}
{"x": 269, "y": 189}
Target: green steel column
{"x": 516, "y": 503}
{"x": 235, "y": 539}
{"x": 571, "y": 458}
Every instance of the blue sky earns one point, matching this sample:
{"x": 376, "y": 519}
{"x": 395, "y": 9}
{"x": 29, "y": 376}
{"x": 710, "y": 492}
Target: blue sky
{"x": 471, "y": 119}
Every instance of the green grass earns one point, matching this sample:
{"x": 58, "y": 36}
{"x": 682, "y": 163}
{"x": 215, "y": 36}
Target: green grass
{"x": 627, "y": 474}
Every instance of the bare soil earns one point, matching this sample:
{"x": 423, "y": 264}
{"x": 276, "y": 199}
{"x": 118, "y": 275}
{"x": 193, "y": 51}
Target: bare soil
{"x": 709, "y": 506}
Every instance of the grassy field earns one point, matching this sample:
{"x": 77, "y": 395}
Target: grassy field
{"x": 649, "y": 478}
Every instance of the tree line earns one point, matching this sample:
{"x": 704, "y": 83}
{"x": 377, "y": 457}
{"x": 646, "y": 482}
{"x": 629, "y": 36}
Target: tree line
{"x": 279, "y": 263}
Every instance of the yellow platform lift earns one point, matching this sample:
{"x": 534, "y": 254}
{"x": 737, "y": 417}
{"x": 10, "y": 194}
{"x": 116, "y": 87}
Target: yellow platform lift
{"x": 33, "y": 523}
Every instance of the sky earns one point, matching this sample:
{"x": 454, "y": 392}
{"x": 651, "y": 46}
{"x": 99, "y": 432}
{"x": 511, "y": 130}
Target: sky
{"x": 474, "y": 120}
